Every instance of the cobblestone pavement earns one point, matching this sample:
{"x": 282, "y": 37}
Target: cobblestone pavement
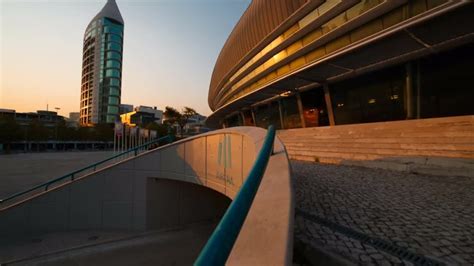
{"x": 423, "y": 216}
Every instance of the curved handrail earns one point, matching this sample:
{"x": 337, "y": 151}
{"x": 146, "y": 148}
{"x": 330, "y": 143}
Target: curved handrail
{"x": 92, "y": 166}
{"x": 218, "y": 247}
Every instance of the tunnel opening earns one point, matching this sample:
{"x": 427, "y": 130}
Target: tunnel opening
{"x": 172, "y": 203}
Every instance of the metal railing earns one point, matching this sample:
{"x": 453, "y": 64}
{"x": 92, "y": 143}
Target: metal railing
{"x": 220, "y": 244}
{"x": 126, "y": 154}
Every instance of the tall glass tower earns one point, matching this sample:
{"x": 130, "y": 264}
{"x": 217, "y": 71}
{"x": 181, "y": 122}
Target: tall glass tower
{"x": 102, "y": 67}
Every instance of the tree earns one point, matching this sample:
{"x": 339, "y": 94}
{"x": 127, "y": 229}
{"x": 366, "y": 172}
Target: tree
{"x": 173, "y": 116}
{"x": 188, "y": 113}
{"x": 37, "y": 131}
{"x": 103, "y": 132}
{"x": 161, "y": 130}
{"x": 9, "y": 131}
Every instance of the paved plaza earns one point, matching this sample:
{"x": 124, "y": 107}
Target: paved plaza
{"x": 373, "y": 216}
{"x": 24, "y": 170}
{"x": 175, "y": 246}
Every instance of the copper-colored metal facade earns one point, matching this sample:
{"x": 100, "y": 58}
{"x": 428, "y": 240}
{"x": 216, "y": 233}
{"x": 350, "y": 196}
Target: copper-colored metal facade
{"x": 282, "y": 47}
{"x": 253, "y": 30}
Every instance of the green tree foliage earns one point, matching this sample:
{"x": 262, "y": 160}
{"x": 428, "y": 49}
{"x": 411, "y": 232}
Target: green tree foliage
{"x": 37, "y": 131}
{"x": 162, "y": 130}
{"x": 173, "y": 116}
{"x": 9, "y": 132}
{"x": 103, "y": 132}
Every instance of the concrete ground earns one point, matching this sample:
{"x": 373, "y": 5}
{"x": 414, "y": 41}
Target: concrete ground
{"x": 23, "y": 170}
{"x": 178, "y": 246}
{"x": 381, "y": 217}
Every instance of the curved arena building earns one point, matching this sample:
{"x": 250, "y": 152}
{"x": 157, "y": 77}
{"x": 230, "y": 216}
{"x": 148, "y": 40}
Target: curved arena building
{"x": 309, "y": 63}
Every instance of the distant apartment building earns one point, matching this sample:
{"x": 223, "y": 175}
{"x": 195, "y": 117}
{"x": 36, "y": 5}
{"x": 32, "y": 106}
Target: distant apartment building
{"x": 48, "y": 119}
{"x": 157, "y": 114}
{"x": 102, "y": 67}
{"x": 142, "y": 115}
{"x": 73, "y": 120}
{"x": 125, "y": 108}
{"x": 74, "y": 116}
{"x": 137, "y": 118}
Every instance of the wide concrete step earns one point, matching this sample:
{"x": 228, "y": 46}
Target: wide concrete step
{"x": 389, "y": 134}
{"x": 380, "y": 151}
{"x": 446, "y": 123}
{"x": 440, "y": 166}
{"x": 383, "y": 140}
{"x": 374, "y": 145}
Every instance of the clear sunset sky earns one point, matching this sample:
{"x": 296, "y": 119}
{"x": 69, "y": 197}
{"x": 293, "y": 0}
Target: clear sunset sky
{"x": 170, "y": 47}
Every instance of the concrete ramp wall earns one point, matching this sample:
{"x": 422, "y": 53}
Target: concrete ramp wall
{"x": 147, "y": 192}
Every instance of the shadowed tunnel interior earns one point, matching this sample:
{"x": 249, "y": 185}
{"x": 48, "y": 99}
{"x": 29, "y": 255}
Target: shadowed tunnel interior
{"x": 174, "y": 203}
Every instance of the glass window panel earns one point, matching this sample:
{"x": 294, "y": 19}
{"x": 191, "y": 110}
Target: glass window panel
{"x": 268, "y": 114}
{"x": 446, "y": 83}
{"x": 234, "y": 121}
{"x": 111, "y": 23}
{"x": 114, "y": 91}
{"x": 290, "y": 112}
{"x": 114, "y": 82}
{"x": 361, "y": 7}
{"x": 334, "y": 23}
{"x": 114, "y": 38}
{"x": 373, "y": 97}
{"x": 113, "y": 63}
{"x": 113, "y": 100}
{"x": 112, "y": 30}
{"x": 314, "y": 108}
{"x": 366, "y": 30}
{"x": 111, "y": 118}
{"x": 114, "y": 55}
{"x": 248, "y": 118}
{"x": 112, "y": 73}
{"x": 114, "y": 46}
{"x": 112, "y": 110}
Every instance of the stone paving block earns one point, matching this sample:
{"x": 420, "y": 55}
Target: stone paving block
{"x": 428, "y": 215}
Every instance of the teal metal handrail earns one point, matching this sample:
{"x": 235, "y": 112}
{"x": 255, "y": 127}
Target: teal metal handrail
{"x": 218, "y": 247}
{"x": 93, "y": 166}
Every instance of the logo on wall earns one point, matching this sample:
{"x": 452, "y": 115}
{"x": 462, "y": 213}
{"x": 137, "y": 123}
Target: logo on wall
{"x": 224, "y": 158}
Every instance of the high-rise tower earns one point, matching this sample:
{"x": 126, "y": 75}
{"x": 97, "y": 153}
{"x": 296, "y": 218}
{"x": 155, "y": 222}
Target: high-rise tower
{"x": 102, "y": 67}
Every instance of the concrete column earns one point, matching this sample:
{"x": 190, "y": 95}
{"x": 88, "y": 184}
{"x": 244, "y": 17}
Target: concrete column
{"x": 327, "y": 98}
{"x": 300, "y": 109}
{"x": 418, "y": 90}
{"x": 280, "y": 111}
{"x": 409, "y": 91}
{"x": 253, "y": 117}
{"x": 243, "y": 118}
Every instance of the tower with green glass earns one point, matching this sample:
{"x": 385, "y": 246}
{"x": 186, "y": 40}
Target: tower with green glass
{"x": 102, "y": 67}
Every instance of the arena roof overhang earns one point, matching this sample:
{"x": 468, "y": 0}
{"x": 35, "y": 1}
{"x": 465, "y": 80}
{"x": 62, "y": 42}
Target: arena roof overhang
{"x": 438, "y": 30}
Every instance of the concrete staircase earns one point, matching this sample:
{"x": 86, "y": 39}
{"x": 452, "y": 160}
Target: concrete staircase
{"x": 436, "y": 146}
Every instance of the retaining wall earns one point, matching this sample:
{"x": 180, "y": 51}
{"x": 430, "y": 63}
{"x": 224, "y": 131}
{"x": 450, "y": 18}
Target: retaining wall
{"x": 149, "y": 192}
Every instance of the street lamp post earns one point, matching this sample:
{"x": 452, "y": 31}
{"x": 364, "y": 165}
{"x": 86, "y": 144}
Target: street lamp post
{"x": 56, "y": 127}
